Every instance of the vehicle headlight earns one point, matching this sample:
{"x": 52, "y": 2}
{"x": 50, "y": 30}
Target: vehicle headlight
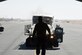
{"x": 52, "y": 37}
{"x": 30, "y": 36}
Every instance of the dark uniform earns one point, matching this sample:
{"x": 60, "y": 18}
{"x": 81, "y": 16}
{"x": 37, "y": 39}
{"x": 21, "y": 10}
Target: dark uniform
{"x": 40, "y": 31}
{"x": 59, "y": 33}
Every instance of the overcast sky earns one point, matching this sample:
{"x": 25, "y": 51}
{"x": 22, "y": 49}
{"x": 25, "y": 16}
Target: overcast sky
{"x": 24, "y": 9}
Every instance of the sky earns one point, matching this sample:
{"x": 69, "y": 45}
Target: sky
{"x": 25, "y": 9}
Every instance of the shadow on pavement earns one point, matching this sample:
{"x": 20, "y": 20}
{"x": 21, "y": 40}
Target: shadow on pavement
{"x": 23, "y": 47}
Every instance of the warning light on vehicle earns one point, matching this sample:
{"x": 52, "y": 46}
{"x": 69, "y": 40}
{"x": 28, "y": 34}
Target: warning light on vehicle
{"x": 52, "y": 37}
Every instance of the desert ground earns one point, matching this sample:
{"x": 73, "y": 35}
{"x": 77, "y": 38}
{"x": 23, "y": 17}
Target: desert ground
{"x": 13, "y": 37}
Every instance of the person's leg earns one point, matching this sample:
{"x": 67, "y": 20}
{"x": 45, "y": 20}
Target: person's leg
{"x": 38, "y": 49}
{"x": 61, "y": 38}
{"x": 43, "y": 49}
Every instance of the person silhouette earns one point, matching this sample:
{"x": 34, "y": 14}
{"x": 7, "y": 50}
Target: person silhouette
{"x": 40, "y": 31}
{"x": 59, "y": 32}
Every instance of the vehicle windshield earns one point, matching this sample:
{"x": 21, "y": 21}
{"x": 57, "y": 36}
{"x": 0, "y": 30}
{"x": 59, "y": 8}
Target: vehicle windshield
{"x": 46, "y": 19}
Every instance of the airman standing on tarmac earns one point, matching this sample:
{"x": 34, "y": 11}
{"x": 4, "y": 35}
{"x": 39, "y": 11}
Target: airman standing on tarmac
{"x": 40, "y": 31}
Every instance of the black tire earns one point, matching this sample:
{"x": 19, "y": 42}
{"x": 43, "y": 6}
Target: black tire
{"x": 28, "y": 44}
{"x": 56, "y": 44}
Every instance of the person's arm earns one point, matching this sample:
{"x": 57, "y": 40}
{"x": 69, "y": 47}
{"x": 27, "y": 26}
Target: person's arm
{"x": 48, "y": 29}
{"x": 34, "y": 31}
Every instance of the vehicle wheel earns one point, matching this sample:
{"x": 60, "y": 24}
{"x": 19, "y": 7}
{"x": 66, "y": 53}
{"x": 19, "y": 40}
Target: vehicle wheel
{"x": 56, "y": 44}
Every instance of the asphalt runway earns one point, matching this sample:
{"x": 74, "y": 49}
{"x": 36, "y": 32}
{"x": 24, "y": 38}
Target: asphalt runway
{"x": 13, "y": 38}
